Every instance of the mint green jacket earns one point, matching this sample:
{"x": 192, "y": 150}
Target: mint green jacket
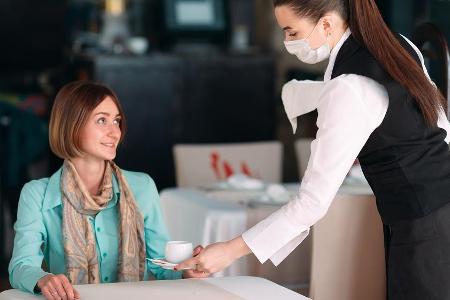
{"x": 39, "y": 231}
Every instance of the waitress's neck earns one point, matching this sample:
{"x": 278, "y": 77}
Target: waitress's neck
{"x": 91, "y": 172}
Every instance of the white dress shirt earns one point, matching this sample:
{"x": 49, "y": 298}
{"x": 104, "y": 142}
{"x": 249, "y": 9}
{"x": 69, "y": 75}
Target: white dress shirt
{"x": 350, "y": 107}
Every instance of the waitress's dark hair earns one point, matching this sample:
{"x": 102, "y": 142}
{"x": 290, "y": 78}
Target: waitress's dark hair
{"x": 369, "y": 29}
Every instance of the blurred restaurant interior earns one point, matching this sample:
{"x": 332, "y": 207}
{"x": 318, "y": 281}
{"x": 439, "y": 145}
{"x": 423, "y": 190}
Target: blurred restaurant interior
{"x": 196, "y": 72}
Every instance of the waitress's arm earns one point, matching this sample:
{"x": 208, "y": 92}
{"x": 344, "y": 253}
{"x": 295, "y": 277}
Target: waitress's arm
{"x": 350, "y": 108}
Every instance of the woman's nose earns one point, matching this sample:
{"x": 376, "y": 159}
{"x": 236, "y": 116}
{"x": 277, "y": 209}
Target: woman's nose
{"x": 114, "y": 131}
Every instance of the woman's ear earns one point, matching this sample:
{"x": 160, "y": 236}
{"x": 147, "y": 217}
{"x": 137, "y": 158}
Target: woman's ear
{"x": 327, "y": 25}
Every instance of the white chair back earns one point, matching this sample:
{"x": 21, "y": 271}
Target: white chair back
{"x": 203, "y": 164}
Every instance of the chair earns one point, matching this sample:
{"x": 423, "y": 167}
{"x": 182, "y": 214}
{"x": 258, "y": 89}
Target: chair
{"x": 203, "y": 164}
{"x": 303, "y": 152}
{"x": 433, "y": 44}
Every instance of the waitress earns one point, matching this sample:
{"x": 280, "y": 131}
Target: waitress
{"x": 376, "y": 104}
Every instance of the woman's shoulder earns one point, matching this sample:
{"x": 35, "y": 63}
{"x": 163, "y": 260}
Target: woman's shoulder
{"x": 140, "y": 182}
{"x": 360, "y": 98}
{"x": 358, "y": 88}
{"x": 138, "y": 178}
{"x": 36, "y": 186}
{"x": 33, "y": 193}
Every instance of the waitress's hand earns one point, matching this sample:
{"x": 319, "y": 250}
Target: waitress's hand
{"x": 216, "y": 257}
{"x": 194, "y": 273}
{"x": 57, "y": 287}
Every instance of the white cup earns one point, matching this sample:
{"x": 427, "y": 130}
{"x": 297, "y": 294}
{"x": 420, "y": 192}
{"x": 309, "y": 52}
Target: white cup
{"x": 178, "y": 251}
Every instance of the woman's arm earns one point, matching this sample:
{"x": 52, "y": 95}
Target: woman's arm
{"x": 156, "y": 233}
{"x": 25, "y": 267}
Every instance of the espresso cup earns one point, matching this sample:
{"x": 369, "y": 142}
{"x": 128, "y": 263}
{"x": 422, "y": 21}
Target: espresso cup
{"x": 178, "y": 251}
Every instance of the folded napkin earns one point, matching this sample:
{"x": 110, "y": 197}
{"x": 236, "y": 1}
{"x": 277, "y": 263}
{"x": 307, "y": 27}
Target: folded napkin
{"x": 300, "y": 97}
{"x": 241, "y": 181}
{"x": 275, "y": 193}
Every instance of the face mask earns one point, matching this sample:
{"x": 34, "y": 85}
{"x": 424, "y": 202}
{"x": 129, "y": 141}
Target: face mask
{"x": 305, "y": 53}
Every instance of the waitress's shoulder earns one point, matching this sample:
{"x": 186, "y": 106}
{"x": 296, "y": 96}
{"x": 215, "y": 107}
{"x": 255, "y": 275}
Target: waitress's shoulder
{"x": 354, "y": 85}
{"x": 346, "y": 81}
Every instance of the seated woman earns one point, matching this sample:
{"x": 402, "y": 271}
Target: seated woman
{"x": 91, "y": 221}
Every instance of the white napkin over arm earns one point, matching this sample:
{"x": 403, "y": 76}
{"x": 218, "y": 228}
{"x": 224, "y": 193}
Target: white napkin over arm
{"x": 300, "y": 97}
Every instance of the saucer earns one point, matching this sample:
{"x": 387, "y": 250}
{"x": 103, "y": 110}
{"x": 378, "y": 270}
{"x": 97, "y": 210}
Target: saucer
{"x": 165, "y": 264}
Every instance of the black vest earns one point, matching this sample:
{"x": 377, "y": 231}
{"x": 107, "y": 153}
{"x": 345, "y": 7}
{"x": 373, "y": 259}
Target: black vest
{"x": 406, "y": 163}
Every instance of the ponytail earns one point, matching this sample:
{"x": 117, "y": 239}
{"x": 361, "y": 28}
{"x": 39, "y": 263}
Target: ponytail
{"x": 370, "y": 30}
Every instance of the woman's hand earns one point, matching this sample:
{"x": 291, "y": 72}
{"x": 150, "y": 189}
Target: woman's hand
{"x": 194, "y": 273}
{"x": 216, "y": 257}
{"x": 57, "y": 287}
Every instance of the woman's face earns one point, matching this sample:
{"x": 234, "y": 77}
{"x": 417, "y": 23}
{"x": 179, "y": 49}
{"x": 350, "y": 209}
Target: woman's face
{"x": 296, "y": 28}
{"x": 101, "y": 134}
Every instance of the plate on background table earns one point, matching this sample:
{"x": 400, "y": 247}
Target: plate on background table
{"x": 224, "y": 186}
{"x": 237, "y": 182}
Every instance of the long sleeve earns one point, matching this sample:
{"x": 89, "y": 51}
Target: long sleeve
{"x": 156, "y": 234}
{"x": 349, "y": 110}
{"x": 25, "y": 267}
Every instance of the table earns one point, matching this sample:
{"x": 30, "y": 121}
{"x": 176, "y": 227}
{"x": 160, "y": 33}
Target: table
{"x": 230, "y": 288}
{"x": 205, "y": 217}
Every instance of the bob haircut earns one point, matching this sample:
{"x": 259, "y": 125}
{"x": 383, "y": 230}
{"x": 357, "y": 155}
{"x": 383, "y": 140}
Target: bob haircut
{"x": 70, "y": 112}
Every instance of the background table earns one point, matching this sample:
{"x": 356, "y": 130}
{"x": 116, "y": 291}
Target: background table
{"x": 207, "y": 216}
{"x": 249, "y": 288}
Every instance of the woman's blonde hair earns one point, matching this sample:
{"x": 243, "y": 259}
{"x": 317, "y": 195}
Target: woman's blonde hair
{"x": 71, "y": 109}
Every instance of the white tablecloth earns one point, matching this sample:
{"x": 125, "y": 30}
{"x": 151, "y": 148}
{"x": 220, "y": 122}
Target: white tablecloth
{"x": 192, "y": 216}
{"x": 249, "y": 288}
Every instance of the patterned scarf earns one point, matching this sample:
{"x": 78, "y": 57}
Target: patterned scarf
{"x": 79, "y": 240}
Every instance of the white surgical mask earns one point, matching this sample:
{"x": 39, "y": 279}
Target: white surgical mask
{"x": 305, "y": 53}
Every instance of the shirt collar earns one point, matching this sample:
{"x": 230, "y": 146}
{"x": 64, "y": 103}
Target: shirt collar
{"x": 334, "y": 54}
{"x": 53, "y": 195}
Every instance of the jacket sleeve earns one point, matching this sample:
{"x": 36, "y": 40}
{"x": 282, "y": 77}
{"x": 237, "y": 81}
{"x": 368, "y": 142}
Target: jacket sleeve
{"x": 156, "y": 233}
{"x": 25, "y": 267}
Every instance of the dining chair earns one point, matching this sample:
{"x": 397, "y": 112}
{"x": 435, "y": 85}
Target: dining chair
{"x": 203, "y": 164}
{"x": 303, "y": 152}
{"x": 432, "y": 42}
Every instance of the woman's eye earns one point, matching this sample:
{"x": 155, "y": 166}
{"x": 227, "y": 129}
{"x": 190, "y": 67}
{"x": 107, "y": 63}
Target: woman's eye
{"x": 292, "y": 34}
{"x": 101, "y": 121}
{"x": 117, "y": 121}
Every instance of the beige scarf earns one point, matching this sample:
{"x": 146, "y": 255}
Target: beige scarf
{"x": 79, "y": 240}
